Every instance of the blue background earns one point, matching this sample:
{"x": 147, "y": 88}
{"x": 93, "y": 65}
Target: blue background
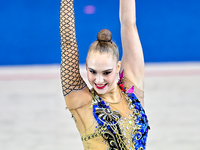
{"x": 29, "y": 30}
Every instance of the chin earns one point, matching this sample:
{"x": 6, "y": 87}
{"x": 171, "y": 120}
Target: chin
{"x": 101, "y": 91}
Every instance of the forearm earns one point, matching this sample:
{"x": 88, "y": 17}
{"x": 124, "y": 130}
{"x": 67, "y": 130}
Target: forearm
{"x": 67, "y": 24}
{"x": 127, "y": 12}
{"x": 70, "y": 75}
{"x": 132, "y": 59}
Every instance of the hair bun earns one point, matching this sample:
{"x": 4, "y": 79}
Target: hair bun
{"x": 104, "y": 35}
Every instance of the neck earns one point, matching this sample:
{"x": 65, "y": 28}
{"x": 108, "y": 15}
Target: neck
{"x": 113, "y": 96}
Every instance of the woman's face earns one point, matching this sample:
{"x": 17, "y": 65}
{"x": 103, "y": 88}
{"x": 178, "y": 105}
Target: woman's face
{"x": 102, "y": 71}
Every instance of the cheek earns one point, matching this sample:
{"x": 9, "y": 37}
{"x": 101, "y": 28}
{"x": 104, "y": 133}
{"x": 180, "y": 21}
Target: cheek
{"x": 112, "y": 77}
{"x": 90, "y": 77}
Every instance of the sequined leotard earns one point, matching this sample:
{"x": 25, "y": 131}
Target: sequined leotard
{"x": 102, "y": 126}
{"x": 121, "y": 126}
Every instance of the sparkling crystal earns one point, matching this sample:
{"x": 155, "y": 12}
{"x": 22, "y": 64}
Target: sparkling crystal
{"x": 130, "y": 122}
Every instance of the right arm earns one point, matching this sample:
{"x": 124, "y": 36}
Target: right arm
{"x": 73, "y": 84}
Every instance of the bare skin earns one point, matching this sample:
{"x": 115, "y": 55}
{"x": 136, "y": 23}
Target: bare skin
{"x": 132, "y": 59}
{"x": 104, "y": 74}
{"x": 132, "y": 62}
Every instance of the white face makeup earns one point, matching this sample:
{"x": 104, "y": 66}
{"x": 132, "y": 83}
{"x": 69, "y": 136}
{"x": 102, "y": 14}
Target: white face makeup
{"x": 102, "y": 71}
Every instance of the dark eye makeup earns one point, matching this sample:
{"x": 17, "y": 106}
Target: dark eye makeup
{"x": 92, "y": 71}
{"x": 106, "y": 72}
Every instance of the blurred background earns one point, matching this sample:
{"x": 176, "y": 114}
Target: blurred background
{"x": 29, "y": 30}
{"x": 32, "y": 109}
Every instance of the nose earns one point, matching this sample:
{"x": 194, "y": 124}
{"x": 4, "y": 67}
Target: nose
{"x": 99, "y": 79}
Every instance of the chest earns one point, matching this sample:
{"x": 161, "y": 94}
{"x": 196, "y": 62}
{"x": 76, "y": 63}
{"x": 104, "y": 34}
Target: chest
{"x": 124, "y": 126}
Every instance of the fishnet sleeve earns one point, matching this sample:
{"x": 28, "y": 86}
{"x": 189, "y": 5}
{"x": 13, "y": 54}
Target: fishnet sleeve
{"x": 70, "y": 75}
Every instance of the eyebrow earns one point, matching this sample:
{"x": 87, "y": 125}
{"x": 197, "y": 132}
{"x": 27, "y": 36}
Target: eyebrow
{"x": 103, "y": 71}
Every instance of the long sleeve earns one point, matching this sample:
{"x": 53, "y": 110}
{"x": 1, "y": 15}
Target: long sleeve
{"x": 70, "y": 75}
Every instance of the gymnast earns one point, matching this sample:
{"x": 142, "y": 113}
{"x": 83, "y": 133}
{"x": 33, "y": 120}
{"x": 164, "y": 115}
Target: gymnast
{"x": 110, "y": 115}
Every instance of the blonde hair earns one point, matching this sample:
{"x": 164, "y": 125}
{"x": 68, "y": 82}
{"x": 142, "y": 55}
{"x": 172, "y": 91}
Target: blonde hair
{"x": 104, "y": 44}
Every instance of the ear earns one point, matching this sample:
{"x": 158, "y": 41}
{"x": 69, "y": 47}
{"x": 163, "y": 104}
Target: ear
{"x": 118, "y": 66}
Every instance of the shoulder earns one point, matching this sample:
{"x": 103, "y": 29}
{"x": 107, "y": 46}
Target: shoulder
{"x": 132, "y": 79}
{"x": 128, "y": 80}
{"x": 128, "y": 86}
{"x": 77, "y": 99}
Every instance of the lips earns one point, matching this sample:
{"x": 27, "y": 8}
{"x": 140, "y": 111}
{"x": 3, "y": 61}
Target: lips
{"x": 100, "y": 86}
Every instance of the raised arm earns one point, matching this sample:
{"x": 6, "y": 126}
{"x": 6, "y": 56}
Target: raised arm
{"x": 70, "y": 75}
{"x": 132, "y": 59}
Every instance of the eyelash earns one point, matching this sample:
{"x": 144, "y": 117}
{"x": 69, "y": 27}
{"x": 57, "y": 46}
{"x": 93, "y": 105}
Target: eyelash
{"x": 93, "y": 72}
{"x": 105, "y": 73}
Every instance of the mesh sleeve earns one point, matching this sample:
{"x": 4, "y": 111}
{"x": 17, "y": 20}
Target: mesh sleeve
{"x": 70, "y": 75}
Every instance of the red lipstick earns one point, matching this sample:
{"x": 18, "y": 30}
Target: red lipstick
{"x": 101, "y": 86}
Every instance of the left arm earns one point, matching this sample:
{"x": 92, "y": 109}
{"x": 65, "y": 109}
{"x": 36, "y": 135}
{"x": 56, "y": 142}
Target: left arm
{"x": 132, "y": 59}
